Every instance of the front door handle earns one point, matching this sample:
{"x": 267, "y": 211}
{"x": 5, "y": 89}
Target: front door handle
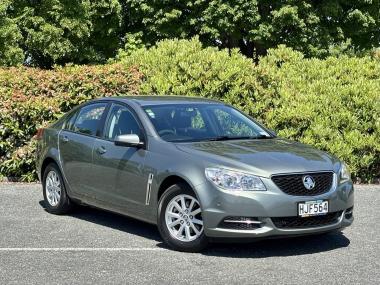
{"x": 101, "y": 150}
{"x": 65, "y": 139}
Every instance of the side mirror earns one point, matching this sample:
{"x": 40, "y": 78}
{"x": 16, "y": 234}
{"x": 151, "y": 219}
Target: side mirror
{"x": 273, "y": 133}
{"x": 128, "y": 140}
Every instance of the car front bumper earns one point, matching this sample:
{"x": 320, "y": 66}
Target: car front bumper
{"x": 263, "y": 207}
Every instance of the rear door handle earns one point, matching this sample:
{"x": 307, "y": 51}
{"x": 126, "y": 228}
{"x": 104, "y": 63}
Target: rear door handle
{"x": 101, "y": 150}
{"x": 65, "y": 139}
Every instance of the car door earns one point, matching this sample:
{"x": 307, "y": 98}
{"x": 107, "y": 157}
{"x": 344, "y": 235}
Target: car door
{"x": 118, "y": 170}
{"x": 76, "y": 143}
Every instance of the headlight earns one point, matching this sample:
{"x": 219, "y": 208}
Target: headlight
{"x": 344, "y": 174}
{"x": 235, "y": 181}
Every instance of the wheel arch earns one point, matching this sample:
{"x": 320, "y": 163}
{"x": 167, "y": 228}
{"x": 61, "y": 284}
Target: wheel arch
{"x": 48, "y": 160}
{"x": 171, "y": 180}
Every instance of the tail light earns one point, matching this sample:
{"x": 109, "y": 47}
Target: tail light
{"x": 40, "y": 133}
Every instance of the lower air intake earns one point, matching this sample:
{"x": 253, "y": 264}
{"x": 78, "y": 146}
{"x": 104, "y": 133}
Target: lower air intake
{"x": 306, "y": 222}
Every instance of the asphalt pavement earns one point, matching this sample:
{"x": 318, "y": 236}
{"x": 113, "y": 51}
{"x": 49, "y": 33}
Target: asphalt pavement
{"x": 96, "y": 247}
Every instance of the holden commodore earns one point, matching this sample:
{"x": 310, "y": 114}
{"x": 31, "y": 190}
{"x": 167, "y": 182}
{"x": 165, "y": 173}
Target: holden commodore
{"x": 199, "y": 169}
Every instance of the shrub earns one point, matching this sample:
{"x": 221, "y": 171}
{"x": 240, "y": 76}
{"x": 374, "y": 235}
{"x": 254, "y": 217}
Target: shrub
{"x": 183, "y": 67}
{"x": 32, "y": 98}
{"x": 332, "y": 104}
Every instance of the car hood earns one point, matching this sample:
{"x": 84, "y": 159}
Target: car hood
{"x": 262, "y": 157}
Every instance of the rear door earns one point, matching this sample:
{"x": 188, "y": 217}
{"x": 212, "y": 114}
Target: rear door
{"x": 76, "y": 142}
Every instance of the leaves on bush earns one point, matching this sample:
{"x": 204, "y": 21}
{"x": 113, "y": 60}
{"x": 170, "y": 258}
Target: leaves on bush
{"x": 332, "y": 104}
{"x": 32, "y": 98}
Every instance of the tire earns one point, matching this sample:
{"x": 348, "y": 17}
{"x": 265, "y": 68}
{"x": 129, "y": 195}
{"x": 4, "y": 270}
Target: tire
{"x": 192, "y": 237}
{"x": 54, "y": 191}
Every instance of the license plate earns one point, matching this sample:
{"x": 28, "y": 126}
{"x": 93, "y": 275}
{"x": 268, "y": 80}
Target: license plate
{"x": 313, "y": 208}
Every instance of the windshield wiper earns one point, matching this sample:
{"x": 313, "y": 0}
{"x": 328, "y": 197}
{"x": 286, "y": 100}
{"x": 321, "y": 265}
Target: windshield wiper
{"x": 218, "y": 138}
{"x": 262, "y": 137}
{"x": 222, "y": 138}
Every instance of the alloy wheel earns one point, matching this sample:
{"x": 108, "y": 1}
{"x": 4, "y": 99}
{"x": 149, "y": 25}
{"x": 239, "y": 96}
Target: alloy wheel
{"x": 183, "y": 218}
{"x": 53, "y": 188}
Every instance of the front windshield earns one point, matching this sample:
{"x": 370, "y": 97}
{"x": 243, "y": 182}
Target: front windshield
{"x": 202, "y": 122}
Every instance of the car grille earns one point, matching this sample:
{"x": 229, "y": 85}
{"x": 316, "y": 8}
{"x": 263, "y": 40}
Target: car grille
{"x": 292, "y": 184}
{"x": 306, "y": 222}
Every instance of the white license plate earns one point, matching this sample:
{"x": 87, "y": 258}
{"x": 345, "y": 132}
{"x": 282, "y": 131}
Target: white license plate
{"x": 313, "y": 208}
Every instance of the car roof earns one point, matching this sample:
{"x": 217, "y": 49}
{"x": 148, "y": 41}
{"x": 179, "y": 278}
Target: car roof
{"x": 144, "y": 100}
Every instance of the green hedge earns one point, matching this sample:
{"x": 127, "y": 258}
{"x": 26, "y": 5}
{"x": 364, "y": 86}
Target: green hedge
{"x": 332, "y": 104}
{"x": 31, "y": 98}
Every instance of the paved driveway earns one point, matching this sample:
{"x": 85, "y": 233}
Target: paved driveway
{"x": 95, "y": 247}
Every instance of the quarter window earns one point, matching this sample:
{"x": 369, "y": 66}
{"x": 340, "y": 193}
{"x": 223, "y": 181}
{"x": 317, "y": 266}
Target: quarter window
{"x": 70, "y": 120}
{"x": 88, "y": 119}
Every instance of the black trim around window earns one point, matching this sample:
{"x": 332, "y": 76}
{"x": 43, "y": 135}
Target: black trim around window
{"x": 103, "y": 119}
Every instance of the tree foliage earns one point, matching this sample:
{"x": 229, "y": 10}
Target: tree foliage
{"x": 10, "y": 38}
{"x": 61, "y": 31}
{"x": 48, "y": 32}
{"x": 317, "y": 28}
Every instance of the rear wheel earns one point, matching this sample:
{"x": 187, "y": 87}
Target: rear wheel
{"x": 54, "y": 191}
{"x": 180, "y": 220}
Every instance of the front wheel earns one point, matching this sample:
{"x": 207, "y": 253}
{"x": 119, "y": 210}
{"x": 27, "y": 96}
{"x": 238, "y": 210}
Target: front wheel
{"x": 180, "y": 220}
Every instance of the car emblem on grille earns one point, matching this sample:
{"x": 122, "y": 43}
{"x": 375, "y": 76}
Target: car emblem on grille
{"x": 308, "y": 182}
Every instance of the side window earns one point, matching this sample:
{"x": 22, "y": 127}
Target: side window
{"x": 121, "y": 122}
{"x": 88, "y": 119}
{"x": 232, "y": 125}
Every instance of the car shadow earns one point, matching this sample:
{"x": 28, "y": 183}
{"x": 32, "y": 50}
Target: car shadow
{"x": 114, "y": 221}
{"x": 280, "y": 247}
{"x": 257, "y": 249}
